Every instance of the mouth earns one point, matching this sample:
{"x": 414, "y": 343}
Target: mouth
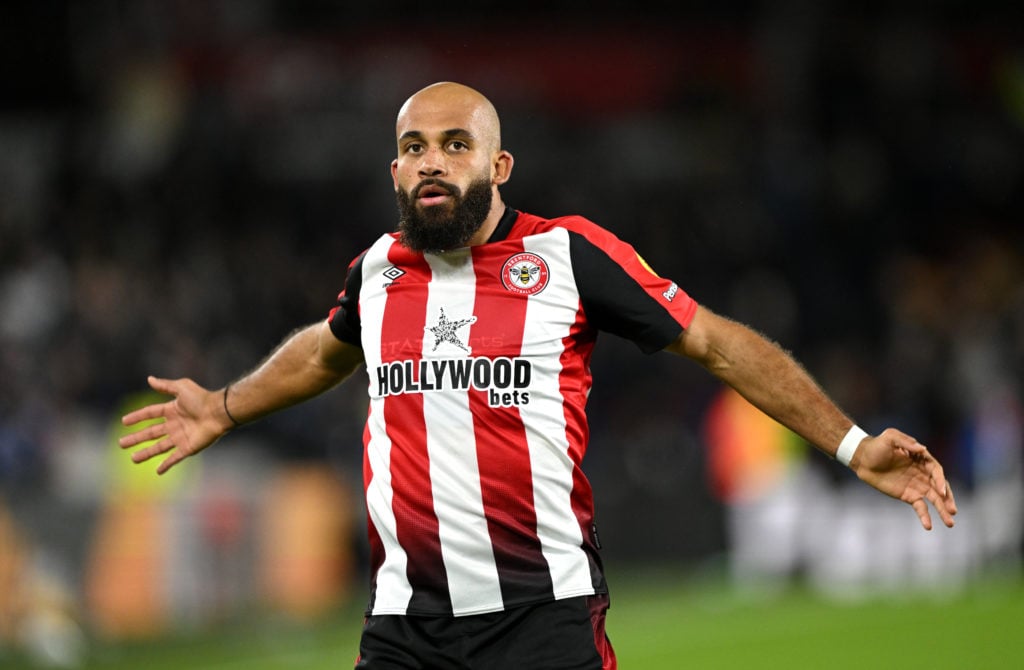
{"x": 429, "y": 194}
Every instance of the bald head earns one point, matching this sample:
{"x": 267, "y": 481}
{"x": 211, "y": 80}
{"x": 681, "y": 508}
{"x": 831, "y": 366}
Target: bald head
{"x": 451, "y": 105}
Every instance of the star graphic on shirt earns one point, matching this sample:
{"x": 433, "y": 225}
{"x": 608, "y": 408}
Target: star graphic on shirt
{"x": 444, "y": 331}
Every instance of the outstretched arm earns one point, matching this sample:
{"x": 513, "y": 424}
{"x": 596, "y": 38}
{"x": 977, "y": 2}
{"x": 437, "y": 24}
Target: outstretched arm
{"x": 894, "y": 463}
{"x": 306, "y": 364}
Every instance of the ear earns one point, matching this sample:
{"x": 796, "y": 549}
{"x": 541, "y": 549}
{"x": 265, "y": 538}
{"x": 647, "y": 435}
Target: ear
{"x": 502, "y": 167}
{"x": 394, "y": 173}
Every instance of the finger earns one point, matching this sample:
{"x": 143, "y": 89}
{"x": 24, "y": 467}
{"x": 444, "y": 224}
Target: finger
{"x": 910, "y": 443}
{"x": 921, "y": 507}
{"x": 939, "y": 493}
{"x": 149, "y": 452}
{"x": 913, "y": 447}
{"x": 945, "y": 506}
{"x": 143, "y": 435}
{"x": 950, "y": 501}
{"x": 169, "y": 462}
{"x": 148, "y": 412}
{"x": 937, "y": 476}
{"x": 946, "y": 516}
{"x": 939, "y": 503}
{"x": 168, "y": 386}
{"x": 898, "y": 438}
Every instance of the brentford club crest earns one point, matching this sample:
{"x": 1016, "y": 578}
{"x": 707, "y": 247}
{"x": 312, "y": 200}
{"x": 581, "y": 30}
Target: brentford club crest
{"x": 525, "y": 274}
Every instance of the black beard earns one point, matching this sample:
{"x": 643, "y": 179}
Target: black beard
{"x": 443, "y": 227}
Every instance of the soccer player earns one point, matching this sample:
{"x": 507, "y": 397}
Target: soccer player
{"x": 476, "y": 323}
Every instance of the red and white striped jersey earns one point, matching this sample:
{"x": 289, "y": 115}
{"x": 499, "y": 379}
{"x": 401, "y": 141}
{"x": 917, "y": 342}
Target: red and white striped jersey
{"x": 478, "y": 364}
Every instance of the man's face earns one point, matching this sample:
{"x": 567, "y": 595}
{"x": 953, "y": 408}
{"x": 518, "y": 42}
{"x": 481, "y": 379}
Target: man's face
{"x": 446, "y": 170}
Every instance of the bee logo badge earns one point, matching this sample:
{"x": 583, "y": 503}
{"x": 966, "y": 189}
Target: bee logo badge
{"x": 525, "y": 274}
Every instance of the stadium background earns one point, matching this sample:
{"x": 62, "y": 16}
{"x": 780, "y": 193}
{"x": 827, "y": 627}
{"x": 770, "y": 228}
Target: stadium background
{"x": 182, "y": 183}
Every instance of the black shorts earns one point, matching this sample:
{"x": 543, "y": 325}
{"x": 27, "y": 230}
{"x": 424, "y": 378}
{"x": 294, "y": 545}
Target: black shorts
{"x": 561, "y": 635}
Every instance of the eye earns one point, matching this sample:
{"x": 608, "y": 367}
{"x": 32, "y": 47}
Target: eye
{"x": 458, "y": 146}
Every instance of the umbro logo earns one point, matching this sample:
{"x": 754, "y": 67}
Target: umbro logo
{"x": 393, "y": 273}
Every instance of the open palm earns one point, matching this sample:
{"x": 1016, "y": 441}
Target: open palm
{"x": 899, "y": 466}
{"x": 188, "y": 425}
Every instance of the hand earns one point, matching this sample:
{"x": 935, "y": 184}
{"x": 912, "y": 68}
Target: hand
{"x": 191, "y": 423}
{"x": 899, "y": 466}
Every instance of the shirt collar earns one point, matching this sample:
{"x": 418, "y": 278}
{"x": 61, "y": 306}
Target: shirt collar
{"x": 504, "y": 226}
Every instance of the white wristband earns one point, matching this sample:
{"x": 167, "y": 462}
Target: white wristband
{"x": 849, "y": 444}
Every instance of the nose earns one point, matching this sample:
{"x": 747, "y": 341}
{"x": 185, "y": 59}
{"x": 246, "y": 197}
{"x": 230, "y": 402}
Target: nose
{"x": 432, "y": 163}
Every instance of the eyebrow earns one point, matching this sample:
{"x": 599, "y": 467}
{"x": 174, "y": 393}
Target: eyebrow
{"x": 447, "y": 134}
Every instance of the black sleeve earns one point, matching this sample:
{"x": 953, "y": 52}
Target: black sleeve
{"x": 344, "y": 318}
{"x": 615, "y": 302}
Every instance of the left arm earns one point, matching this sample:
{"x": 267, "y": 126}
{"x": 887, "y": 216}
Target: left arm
{"x": 771, "y": 380}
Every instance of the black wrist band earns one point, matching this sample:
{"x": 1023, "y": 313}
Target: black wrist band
{"x": 226, "y": 411}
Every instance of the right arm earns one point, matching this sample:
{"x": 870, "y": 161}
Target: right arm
{"x": 309, "y": 362}
{"x": 774, "y": 382}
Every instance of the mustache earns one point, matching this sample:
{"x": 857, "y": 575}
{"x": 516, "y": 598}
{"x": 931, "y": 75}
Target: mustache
{"x": 436, "y": 184}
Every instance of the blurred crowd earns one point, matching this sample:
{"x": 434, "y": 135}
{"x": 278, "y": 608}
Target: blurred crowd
{"x": 182, "y": 184}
